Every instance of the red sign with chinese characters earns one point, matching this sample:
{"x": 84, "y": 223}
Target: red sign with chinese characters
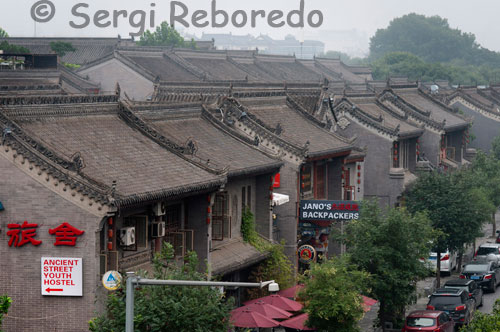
{"x": 65, "y": 234}
{"x": 21, "y": 234}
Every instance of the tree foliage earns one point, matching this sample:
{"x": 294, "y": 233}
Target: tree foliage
{"x": 8, "y": 48}
{"x": 62, "y": 48}
{"x": 456, "y": 207}
{"x": 432, "y": 39}
{"x": 276, "y": 267}
{"x": 415, "y": 68}
{"x": 169, "y": 308}
{"x": 388, "y": 246}
{"x": 426, "y": 48}
{"x": 5, "y": 303}
{"x": 332, "y": 295}
{"x": 165, "y": 35}
{"x": 3, "y": 33}
{"x": 485, "y": 322}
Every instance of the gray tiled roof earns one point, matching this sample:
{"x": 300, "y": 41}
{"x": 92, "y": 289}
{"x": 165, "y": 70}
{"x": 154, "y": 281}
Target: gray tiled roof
{"x": 87, "y": 49}
{"x": 438, "y": 112}
{"x": 111, "y": 150}
{"x": 184, "y": 123}
{"x": 297, "y": 129}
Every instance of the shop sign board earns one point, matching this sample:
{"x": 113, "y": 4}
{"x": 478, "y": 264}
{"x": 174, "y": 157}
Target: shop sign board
{"x": 321, "y": 210}
{"x": 62, "y": 276}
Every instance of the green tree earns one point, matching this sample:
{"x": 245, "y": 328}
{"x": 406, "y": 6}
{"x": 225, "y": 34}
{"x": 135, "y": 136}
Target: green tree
{"x": 62, "y": 48}
{"x": 389, "y": 246}
{"x": 3, "y": 33}
{"x": 428, "y": 37}
{"x": 456, "y": 208}
{"x": 485, "y": 322}
{"x": 276, "y": 267}
{"x": 169, "y": 308}
{"x": 165, "y": 35}
{"x": 5, "y": 303}
{"x": 332, "y": 295}
{"x": 8, "y": 48}
{"x": 484, "y": 175}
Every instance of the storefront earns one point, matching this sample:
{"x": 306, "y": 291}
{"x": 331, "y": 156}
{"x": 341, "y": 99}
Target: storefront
{"x": 317, "y": 218}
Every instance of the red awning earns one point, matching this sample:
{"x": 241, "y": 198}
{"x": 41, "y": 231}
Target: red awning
{"x": 291, "y": 292}
{"x": 297, "y": 323}
{"x": 249, "y": 318}
{"x": 266, "y": 309}
{"x": 279, "y": 301}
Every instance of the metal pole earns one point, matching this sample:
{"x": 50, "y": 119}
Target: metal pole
{"x": 133, "y": 279}
{"x": 129, "y": 303}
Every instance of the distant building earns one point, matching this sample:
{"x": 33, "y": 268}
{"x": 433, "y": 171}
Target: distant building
{"x": 306, "y": 49}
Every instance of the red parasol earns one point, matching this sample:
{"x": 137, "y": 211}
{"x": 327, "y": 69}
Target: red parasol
{"x": 279, "y": 301}
{"x": 298, "y": 323}
{"x": 292, "y": 291}
{"x": 266, "y": 309}
{"x": 368, "y": 303}
{"x": 249, "y": 318}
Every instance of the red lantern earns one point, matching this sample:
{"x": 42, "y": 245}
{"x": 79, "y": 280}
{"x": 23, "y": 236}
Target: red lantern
{"x": 110, "y": 245}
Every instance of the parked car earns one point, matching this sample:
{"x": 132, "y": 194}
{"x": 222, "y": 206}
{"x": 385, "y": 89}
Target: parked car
{"x": 488, "y": 251}
{"x": 486, "y": 274}
{"x": 455, "y": 302}
{"x": 470, "y": 286}
{"x": 448, "y": 261}
{"x": 429, "y": 320}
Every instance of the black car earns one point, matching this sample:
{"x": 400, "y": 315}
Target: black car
{"x": 470, "y": 286}
{"x": 486, "y": 274}
{"x": 456, "y": 302}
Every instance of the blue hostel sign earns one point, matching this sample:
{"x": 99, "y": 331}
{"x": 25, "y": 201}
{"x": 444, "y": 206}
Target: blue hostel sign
{"x": 314, "y": 210}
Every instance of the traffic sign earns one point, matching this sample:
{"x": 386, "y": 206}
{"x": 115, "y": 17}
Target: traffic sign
{"x": 62, "y": 276}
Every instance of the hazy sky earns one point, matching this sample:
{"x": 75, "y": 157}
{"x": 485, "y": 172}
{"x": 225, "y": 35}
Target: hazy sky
{"x": 479, "y": 17}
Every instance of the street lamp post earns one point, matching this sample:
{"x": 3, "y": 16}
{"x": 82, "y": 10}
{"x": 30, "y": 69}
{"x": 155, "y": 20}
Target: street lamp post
{"x": 132, "y": 280}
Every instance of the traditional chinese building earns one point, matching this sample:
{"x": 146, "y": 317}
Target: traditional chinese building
{"x": 482, "y": 104}
{"x": 86, "y": 181}
{"x": 273, "y": 121}
{"x": 138, "y": 69}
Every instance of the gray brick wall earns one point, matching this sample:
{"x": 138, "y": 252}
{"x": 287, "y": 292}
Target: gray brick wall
{"x": 483, "y": 128}
{"x": 377, "y": 182}
{"x": 26, "y": 199}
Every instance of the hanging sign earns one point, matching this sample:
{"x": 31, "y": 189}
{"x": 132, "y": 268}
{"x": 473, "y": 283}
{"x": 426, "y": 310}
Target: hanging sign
{"x": 306, "y": 253}
{"x": 62, "y": 276}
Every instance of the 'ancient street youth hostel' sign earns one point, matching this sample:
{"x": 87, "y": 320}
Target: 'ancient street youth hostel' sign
{"x": 329, "y": 210}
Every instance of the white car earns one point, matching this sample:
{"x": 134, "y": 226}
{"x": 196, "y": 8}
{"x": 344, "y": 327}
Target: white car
{"x": 448, "y": 261}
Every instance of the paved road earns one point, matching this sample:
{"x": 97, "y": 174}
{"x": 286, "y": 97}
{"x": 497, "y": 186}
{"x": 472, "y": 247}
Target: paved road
{"x": 488, "y": 301}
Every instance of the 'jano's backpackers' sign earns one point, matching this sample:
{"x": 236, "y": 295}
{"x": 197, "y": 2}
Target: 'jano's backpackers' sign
{"x": 329, "y": 210}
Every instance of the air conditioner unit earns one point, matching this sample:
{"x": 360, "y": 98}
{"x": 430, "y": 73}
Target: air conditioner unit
{"x": 158, "y": 229}
{"x": 159, "y": 209}
{"x": 127, "y": 236}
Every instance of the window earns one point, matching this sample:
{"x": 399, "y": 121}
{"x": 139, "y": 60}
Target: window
{"x": 349, "y": 190}
{"x": 182, "y": 241}
{"x": 243, "y": 198}
{"x": 306, "y": 178}
{"x": 221, "y": 220}
{"x": 401, "y": 154}
{"x": 249, "y": 197}
{"x": 320, "y": 181}
{"x": 173, "y": 217}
